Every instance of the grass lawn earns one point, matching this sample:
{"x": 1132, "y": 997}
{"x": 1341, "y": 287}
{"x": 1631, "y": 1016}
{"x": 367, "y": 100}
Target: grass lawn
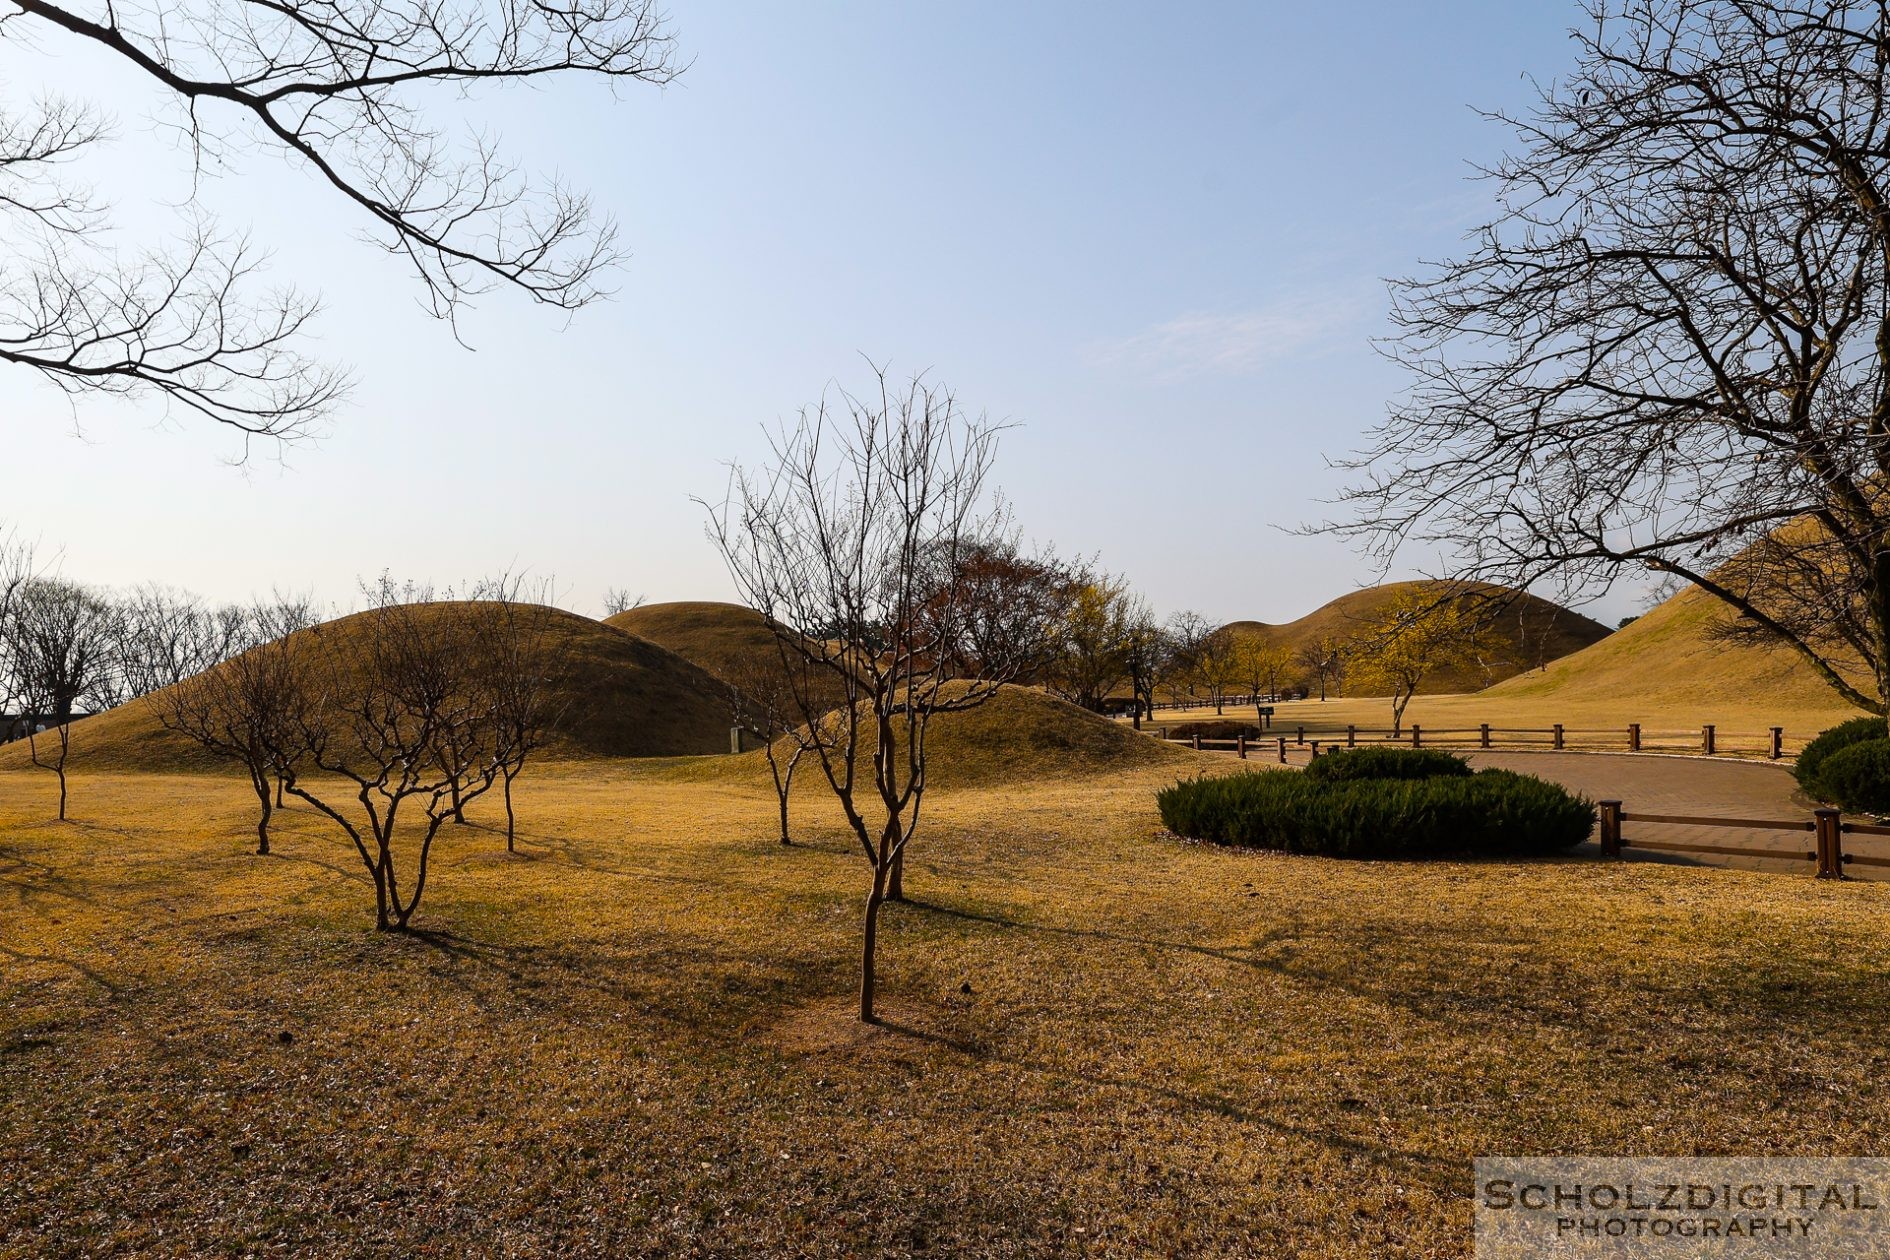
{"x": 635, "y": 1037}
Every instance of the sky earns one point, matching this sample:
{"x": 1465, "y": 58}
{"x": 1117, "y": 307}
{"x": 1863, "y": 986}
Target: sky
{"x": 1156, "y": 239}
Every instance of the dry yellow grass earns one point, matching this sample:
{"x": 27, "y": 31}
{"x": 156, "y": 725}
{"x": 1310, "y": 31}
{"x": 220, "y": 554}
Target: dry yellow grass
{"x": 632, "y": 1039}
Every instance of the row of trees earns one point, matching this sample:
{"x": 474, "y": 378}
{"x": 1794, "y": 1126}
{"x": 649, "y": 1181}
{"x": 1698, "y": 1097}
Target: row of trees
{"x": 390, "y": 722}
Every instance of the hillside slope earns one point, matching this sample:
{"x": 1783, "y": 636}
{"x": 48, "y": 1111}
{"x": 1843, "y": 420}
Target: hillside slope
{"x": 1672, "y": 656}
{"x": 625, "y": 698}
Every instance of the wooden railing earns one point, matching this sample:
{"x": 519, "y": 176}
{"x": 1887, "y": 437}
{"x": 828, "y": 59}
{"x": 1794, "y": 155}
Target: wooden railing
{"x": 1827, "y": 828}
{"x": 1708, "y": 740}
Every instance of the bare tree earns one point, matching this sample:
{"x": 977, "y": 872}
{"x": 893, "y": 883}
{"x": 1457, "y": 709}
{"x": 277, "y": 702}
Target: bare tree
{"x": 1323, "y": 659}
{"x": 340, "y": 91}
{"x": 1670, "y": 350}
{"x": 382, "y": 685}
{"x": 618, "y": 600}
{"x": 527, "y": 665}
{"x": 851, "y": 542}
{"x": 251, "y": 707}
{"x": 761, "y": 698}
{"x": 62, "y": 640}
{"x": 168, "y": 635}
{"x": 1187, "y": 636}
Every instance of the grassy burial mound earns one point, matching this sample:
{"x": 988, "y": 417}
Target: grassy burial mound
{"x": 1525, "y": 634}
{"x": 727, "y": 640}
{"x": 1677, "y": 656}
{"x": 1018, "y": 736}
{"x": 621, "y": 697}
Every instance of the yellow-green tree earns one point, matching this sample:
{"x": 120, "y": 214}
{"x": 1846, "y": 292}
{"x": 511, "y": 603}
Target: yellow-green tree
{"x": 1418, "y": 634}
{"x": 1262, "y": 664}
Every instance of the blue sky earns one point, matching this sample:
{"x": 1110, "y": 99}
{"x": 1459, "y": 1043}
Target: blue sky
{"x": 1154, "y": 237}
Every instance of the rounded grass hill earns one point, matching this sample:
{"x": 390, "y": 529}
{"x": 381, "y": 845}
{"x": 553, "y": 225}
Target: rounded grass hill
{"x": 625, "y": 697}
{"x": 727, "y": 640}
{"x": 1019, "y": 735}
{"x": 1525, "y": 632}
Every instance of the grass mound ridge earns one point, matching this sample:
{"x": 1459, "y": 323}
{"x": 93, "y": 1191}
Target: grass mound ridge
{"x": 1527, "y": 632}
{"x": 724, "y": 639}
{"x": 626, "y": 698}
{"x": 1020, "y": 735}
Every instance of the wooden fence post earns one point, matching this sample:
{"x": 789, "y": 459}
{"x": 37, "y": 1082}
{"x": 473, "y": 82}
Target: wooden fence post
{"x": 1282, "y": 750}
{"x": 1483, "y": 735}
{"x": 1610, "y": 828}
{"x": 1778, "y": 742}
{"x": 1351, "y": 736}
{"x": 1558, "y": 736}
{"x": 1633, "y": 736}
{"x": 1315, "y": 751}
{"x": 1830, "y": 844}
{"x": 1416, "y": 736}
{"x": 1300, "y": 738}
{"x": 1706, "y": 738}
{"x": 1240, "y": 744}
{"x": 1197, "y": 741}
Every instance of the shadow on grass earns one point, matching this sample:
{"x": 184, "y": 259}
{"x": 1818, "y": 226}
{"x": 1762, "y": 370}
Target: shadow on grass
{"x": 1443, "y": 1175}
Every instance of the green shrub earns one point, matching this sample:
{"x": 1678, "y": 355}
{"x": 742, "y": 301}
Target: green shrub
{"x": 1491, "y": 812}
{"x": 1857, "y": 777}
{"x": 1386, "y": 763}
{"x": 1811, "y": 761}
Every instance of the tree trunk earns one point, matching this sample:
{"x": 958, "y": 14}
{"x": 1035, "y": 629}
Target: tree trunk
{"x": 785, "y": 838}
{"x": 261, "y": 783}
{"x": 896, "y": 884}
{"x": 869, "y": 947}
{"x": 278, "y": 791}
{"x": 511, "y": 820}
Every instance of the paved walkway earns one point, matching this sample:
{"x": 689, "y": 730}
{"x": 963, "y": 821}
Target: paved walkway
{"x": 1695, "y": 786}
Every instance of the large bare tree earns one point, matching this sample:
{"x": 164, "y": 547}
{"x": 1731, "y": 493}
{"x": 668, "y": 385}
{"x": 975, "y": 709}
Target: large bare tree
{"x": 347, "y": 91}
{"x": 854, "y": 542}
{"x": 1669, "y": 351}
{"x": 370, "y": 744}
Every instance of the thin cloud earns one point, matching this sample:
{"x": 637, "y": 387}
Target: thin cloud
{"x": 1235, "y": 343}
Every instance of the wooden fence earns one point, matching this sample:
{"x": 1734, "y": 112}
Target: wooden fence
{"x": 1708, "y": 740}
{"x": 1827, "y": 828}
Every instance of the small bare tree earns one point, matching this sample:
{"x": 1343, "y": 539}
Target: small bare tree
{"x": 1322, "y": 659}
{"x": 383, "y": 686}
{"x": 761, "y": 700}
{"x": 249, "y": 708}
{"x": 63, "y": 642}
{"x": 527, "y": 664}
{"x": 853, "y": 543}
{"x": 618, "y": 600}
